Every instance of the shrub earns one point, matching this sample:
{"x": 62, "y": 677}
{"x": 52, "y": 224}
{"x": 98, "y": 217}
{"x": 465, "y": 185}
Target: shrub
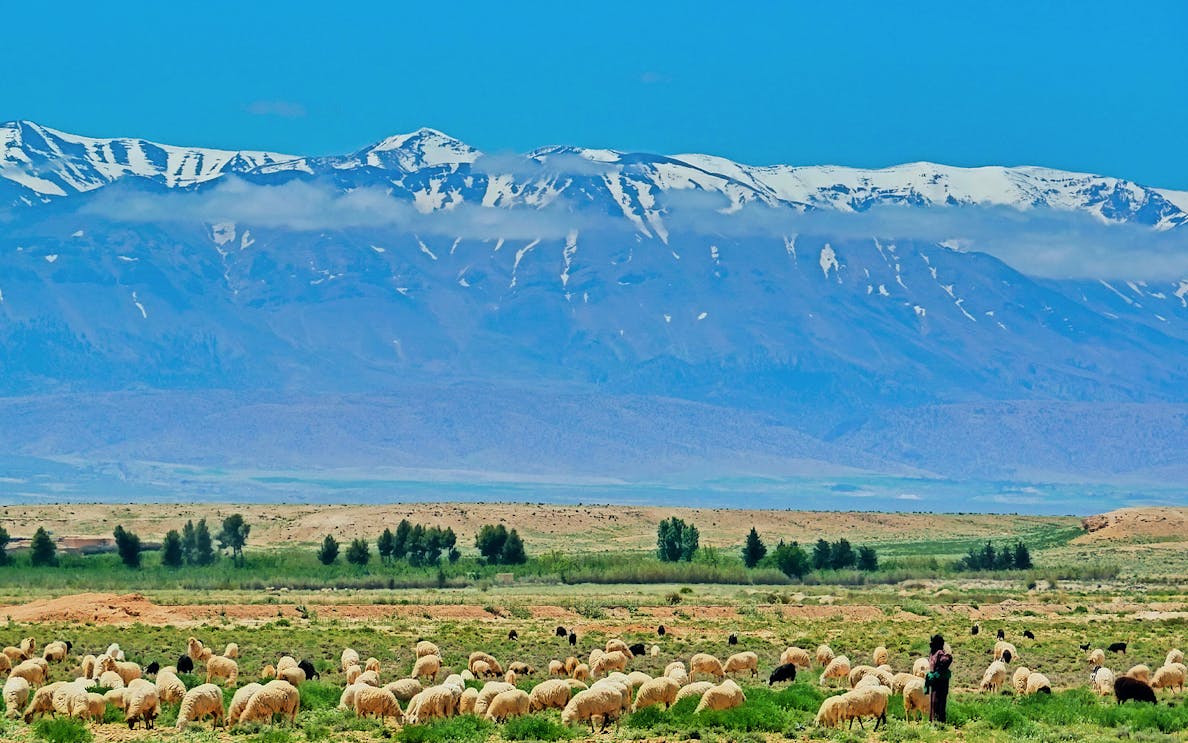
{"x": 328, "y": 552}
{"x": 463, "y": 728}
{"x": 62, "y": 730}
{"x": 535, "y": 727}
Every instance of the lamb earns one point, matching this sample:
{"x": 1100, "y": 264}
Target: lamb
{"x": 1142, "y": 672}
{"x": 615, "y": 660}
{"x": 29, "y": 670}
{"x": 349, "y": 658}
{"x": 1126, "y": 689}
{"x": 231, "y": 651}
{"x": 294, "y": 676}
{"x": 556, "y": 668}
{"x": 170, "y": 689}
{"x": 880, "y": 656}
{"x": 661, "y": 690}
{"x": 1169, "y": 677}
{"x": 824, "y": 655}
{"x": 1174, "y": 656}
{"x": 726, "y": 695}
{"x": 372, "y": 664}
{"x": 695, "y": 689}
{"x": 746, "y": 661}
{"x": 427, "y": 666}
{"x": 551, "y": 694}
{"x": 601, "y": 701}
{"x": 478, "y": 655}
{"x": 405, "y": 689}
{"x": 921, "y": 666}
{"x": 467, "y": 700}
{"x": 240, "y": 700}
{"x": 994, "y": 677}
{"x": 1096, "y": 658}
{"x": 16, "y": 694}
{"x": 378, "y": 702}
{"x": 796, "y": 656}
{"x": 141, "y": 704}
{"x": 914, "y": 699}
{"x": 581, "y": 672}
{"x": 1019, "y": 680}
{"x": 56, "y": 651}
{"x": 42, "y": 701}
{"x": 309, "y": 670}
{"x": 277, "y": 697}
{"x": 1004, "y": 651}
{"x": 1038, "y": 683}
{"x": 521, "y": 669}
{"x": 839, "y": 667}
{"x": 423, "y": 648}
{"x": 1102, "y": 680}
{"x": 204, "y": 700}
{"x": 706, "y": 664}
{"x": 511, "y": 703}
{"x": 782, "y": 672}
{"x": 219, "y": 667}
{"x": 489, "y": 691}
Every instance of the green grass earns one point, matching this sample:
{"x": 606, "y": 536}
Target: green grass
{"x": 61, "y": 730}
{"x": 453, "y": 730}
{"x": 536, "y": 727}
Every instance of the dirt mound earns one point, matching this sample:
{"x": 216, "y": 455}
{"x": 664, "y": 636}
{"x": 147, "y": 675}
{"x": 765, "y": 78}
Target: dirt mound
{"x": 1131, "y": 524}
{"x": 102, "y": 608}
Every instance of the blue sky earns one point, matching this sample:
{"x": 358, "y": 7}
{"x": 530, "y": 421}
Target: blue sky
{"x": 1088, "y": 86}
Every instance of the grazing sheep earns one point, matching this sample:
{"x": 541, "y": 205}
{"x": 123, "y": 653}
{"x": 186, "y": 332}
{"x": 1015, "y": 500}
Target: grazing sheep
{"x": 349, "y": 658}
{"x": 638, "y": 649}
{"x": 371, "y": 678}
{"x": 194, "y": 648}
{"x": 29, "y": 670}
{"x": 309, "y": 670}
{"x": 581, "y": 672}
{"x": 405, "y": 689}
{"x": 16, "y": 694}
{"x": 726, "y": 695}
{"x": 427, "y": 666}
{"x": 423, "y": 648}
{"x": 839, "y": 667}
{"x": 880, "y": 656}
{"x": 14, "y": 655}
{"x": 29, "y": 646}
{"x": 900, "y": 680}
{"x": 603, "y": 702}
{"x": 6, "y": 664}
{"x": 510, "y": 677}
{"x": 277, "y": 697}
{"x": 561, "y": 631}
{"x": 1096, "y": 657}
{"x": 1173, "y": 656}
{"x": 616, "y": 644}
{"x": 782, "y": 672}
{"x": 615, "y": 660}
{"x": 347, "y": 699}
{"x": 267, "y": 673}
{"x": 185, "y": 664}
{"x": 380, "y": 703}
{"x": 481, "y": 669}
{"x": 1004, "y": 651}
{"x": 914, "y": 699}
{"x": 141, "y": 704}
{"x": 285, "y": 661}
{"x": 42, "y": 701}
{"x": 662, "y": 691}
{"x": 694, "y": 689}
{"x": 1117, "y": 647}
{"x": 372, "y": 664}
{"x": 1038, "y": 683}
{"x": 1019, "y": 679}
{"x": 556, "y": 668}
{"x": 1102, "y": 681}
{"x": 511, "y": 703}
{"x": 204, "y": 700}
{"x": 857, "y": 673}
{"x": 128, "y": 671}
{"x": 239, "y": 702}
{"x": 56, "y": 651}
{"x": 435, "y": 702}
{"x": 1142, "y": 672}
{"x": 170, "y": 689}
{"x": 994, "y": 677}
{"x": 231, "y": 651}
{"x": 70, "y": 700}
{"x": 353, "y": 673}
{"x": 706, "y": 664}
{"x": 921, "y": 667}
{"x": 796, "y": 656}
{"x": 294, "y": 676}
{"x": 521, "y": 669}
{"x": 824, "y": 655}
{"x": 636, "y": 679}
{"x": 109, "y": 680}
{"x": 745, "y": 661}
{"x": 1126, "y": 689}
{"x": 86, "y": 668}
{"x": 218, "y": 667}
{"x": 869, "y": 701}
{"x": 868, "y": 680}
{"x": 97, "y": 706}
{"x": 478, "y": 655}
{"x": 829, "y": 714}
{"x": 1169, "y": 677}
{"x": 551, "y": 694}
{"x": 490, "y": 690}
{"x": 467, "y": 700}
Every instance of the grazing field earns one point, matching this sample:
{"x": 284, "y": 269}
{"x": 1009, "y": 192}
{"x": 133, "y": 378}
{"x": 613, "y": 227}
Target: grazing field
{"x": 152, "y": 611}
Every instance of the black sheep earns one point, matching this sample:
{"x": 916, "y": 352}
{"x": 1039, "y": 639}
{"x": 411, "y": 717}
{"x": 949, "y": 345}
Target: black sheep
{"x": 1001, "y": 635}
{"x": 786, "y": 672}
{"x": 185, "y": 664}
{"x": 562, "y": 632}
{"x": 513, "y": 635}
{"x": 1117, "y": 647}
{"x": 308, "y": 668}
{"x": 1029, "y": 634}
{"x": 638, "y": 649}
{"x": 69, "y": 646}
{"x": 1085, "y": 646}
{"x": 573, "y": 638}
{"x": 1006, "y": 656}
{"x": 1126, "y": 688}
{"x": 660, "y": 630}
{"x": 732, "y": 640}
{"x": 152, "y": 668}
{"x": 974, "y": 630}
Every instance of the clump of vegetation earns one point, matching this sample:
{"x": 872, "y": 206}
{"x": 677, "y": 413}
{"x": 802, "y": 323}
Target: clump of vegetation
{"x": 62, "y": 730}
{"x": 328, "y": 552}
{"x": 128, "y": 545}
{"x": 676, "y": 541}
{"x": 1005, "y": 558}
{"x": 358, "y": 553}
{"x": 42, "y": 550}
{"x": 498, "y": 546}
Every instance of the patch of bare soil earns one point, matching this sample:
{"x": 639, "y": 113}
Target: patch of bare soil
{"x": 1130, "y": 524}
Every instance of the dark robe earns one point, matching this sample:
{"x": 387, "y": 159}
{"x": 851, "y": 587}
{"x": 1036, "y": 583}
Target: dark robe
{"x": 938, "y": 685}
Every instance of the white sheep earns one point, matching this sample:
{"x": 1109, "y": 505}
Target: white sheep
{"x": 1019, "y": 680}
{"x": 128, "y": 671}
{"x": 745, "y": 661}
{"x": 921, "y": 667}
{"x": 838, "y": 668}
{"x": 370, "y": 678}
{"x": 869, "y": 701}
{"x": 657, "y": 691}
{"x": 285, "y": 661}
{"x": 434, "y": 702}
{"x": 404, "y": 689}
{"x": 880, "y": 656}
{"x": 347, "y": 699}
{"x": 707, "y": 664}
{"x": 490, "y": 690}
{"x": 42, "y": 701}
{"x": 349, "y": 658}
{"x": 277, "y": 697}
{"x": 31, "y": 671}
{"x": 194, "y": 648}
{"x": 1095, "y": 657}
{"x": 726, "y": 695}
{"x": 16, "y": 695}
{"x": 170, "y": 689}
{"x": 829, "y": 714}
{"x": 467, "y": 700}
{"x": 96, "y": 706}
{"x": 915, "y": 700}
{"x": 424, "y": 647}
{"x": 636, "y": 679}
{"x": 295, "y": 676}
{"x": 693, "y": 689}
{"x": 616, "y": 645}
{"x": 1173, "y": 656}
{"x": 239, "y": 702}
{"x": 1002, "y": 647}
{"x": 616, "y": 660}
{"x": 511, "y": 703}
{"x": 110, "y": 680}
{"x": 5, "y": 664}
{"x": 1142, "y": 672}
{"x": 70, "y": 700}
{"x": 372, "y": 664}
{"x": 141, "y": 703}
{"x": 654, "y": 651}
{"x": 556, "y": 668}
{"x": 426, "y": 666}
{"x": 551, "y": 694}
{"x": 218, "y": 667}
{"x": 1170, "y": 676}
{"x": 900, "y": 680}
{"x": 824, "y": 655}
{"x": 204, "y": 700}
{"x": 56, "y": 651}
{"x": 994, "y": 677}
{"x": 379, "y": 702}
{"x": 1038, "y": 682}
{"x": 1102, "y": 680}
{"x": 581, "y": 672}
{"x": 599, "y": 702}
{"x": 231, "y": 651}
{"x": 494, "y": 669}
{"x": 798, "y": 657}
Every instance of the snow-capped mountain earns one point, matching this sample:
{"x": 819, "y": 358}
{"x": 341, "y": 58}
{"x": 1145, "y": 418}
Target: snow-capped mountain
{"x": 830, "y": 302}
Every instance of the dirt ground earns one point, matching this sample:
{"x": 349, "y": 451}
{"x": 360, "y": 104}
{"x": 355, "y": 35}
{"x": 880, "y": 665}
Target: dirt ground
{"x": 1131, "y": 524}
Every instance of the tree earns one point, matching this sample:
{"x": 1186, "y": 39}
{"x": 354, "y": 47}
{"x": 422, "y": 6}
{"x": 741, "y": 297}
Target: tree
{"x": 449, "y": 542}
{"x": 385, "y": 545}
{"x": 754, "y": 550}
{"x": 676, "y": 540}
{"x": 1022, "y": 557}
{"x": 490, "y": 541}
{"x": 189, "y": 543}
{"x": 513, "y": 550}
{"x": 358, "y": 553}
{"x": 1005, "y": 559}
{"x": 987, "y": 557}
{"x": 128, "y": 545}
{"x": 171, "y": 550}
{"x": 4, "y": 540}
{"x": 792, "y": 560}
{"x": 417, "y": 544}
{"x": 400, "y": 544}
{"x": 204, "y": 553}
{"x": 234, "y": 535}
{"x": 868, "y": 559}
{"x": 42, "y": 550}
{"x": 328, "y": 552}
{"x": 841, "y": 555}
{"x": 822, "y": 555}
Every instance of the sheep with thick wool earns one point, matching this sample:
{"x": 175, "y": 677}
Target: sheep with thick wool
{"x": 636, "y": 679}
{"x": 96, "y": 706}
{"x": 5, "y": 664}
{"x": 880, "y": 656}
{"x": 510, "y": 703}
{"x": 16, "y": 695}
{"x": 424, "y": 647}
{"x": 1141, "y": 672}
{"x": 1173, "y": 656}
{"x": 239, "y": 702}
{"x": 921, "y": 667}
{"x": 490, "y": 690}
{"x": 347, "y": 699}
{"x": 435, "y": 702}
{"x": 141, "y": 703}
{"x": 1019, "y": 679}
{"x": 693, "y": 689}
{"x": 467, "y": 700}
{"x": 115, "y": 651}
{"x": 900, "y": 680}
{"x": 616, "y": 660}
{"x": 42, "y": 701}
{"x": 1102, "y": 681}
{"x": 353, "y": 673}
{"x": 726, "y": 695}
{"x": 128, "y": 671}
{"x": 602, "y": 702}
{"x": 798, "y": 657}
{"x": 618, "y": 645}
{"x": 204, "y": 700}
{"x": 825, "y": 655}
{"x": 1095, "y": 657}
{"x": 14, "y": 655}
{"x": 551, "y": 694}
{"x": 869, "y": 701}
{"x": 1038, "y": 683}
{"x": 658, "y": 691}
{"x": 377, "y": 702}
{"x": 371, "y": 678}
{"x": 56, "y": 651}
{"x": 1170, "y": 676}
{"x": 915, "y": 700}
{"x": 493, "y": 666}
{"x": 277, "y": 697}
{"x": 619, "y": 684}
{"x": 285, "y": 661}
{"x": 294, "y": 676}
{"x": 556, "y": 668}
{"x": 195, "y": 649}
{"x": 427, "y": 666}
{"x": 372, "y": 664}
{"x": 218, "y": 667}
{"x": 706, "y": 664}
{"x": 29, "y": 646}
{"x": 829, "y": 714}
{"x": 994, "y": 677}
{"x": 70, "y": 700}
{"x": 348, "y": 658}
{"x": 740, "y": 662}
{"x": 404, "y": 689}
{"x": 857, "y": 673}
{"x": 868, "y": 680}
{"x": 110, "y": 680}
{"x": 581, "y": 672}
{"x": 1001, "y": 648}
{"x": 838, "y": 668}
{"x": 30, "y": 671}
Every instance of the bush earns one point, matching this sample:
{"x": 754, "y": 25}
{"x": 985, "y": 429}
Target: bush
{"x": 62, "y": 730}
{"x": 463, "y": 728}
{"x": 535, "y": 727}
{"x": 328, "y": 552}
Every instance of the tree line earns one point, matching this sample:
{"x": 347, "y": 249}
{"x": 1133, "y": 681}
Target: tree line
{"x": 422, "y": 545}
{"x": 1005, "y": 558}
{"x": 193, "y": 545}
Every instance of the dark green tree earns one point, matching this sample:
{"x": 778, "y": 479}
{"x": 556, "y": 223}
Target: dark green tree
{"x": 449, "y": 543}
{"x": 676, "y": 540}
{"x": 432, "y": 546}
{"x": 328, "y": 552}
{"x": 490, "y": 541}
{"x": 868, "y": 559}
{"x": 128, "y": 545}
{"x": 841, "y": 555}
{"x": 42, "y": 550}
{"x": 234, "y": 535}
{"x": 987, "y": 557}
{"x": 822, "y": 555}
{"x": 1022, "y": 557}
{"x": 400, "y": 544}
{"x": 204, "y": 553}
{"x": 513, "y": 550}
{"x": 189, "y": 543}
{"x": 1005, "y": 559}
{"x": 417, "y": 545}
{"x": 358, "y": 553}
{"x": 792, "y": 560}
{"x": 171, "y": 550}
{"x": 754, "y": 549}
{"x": 4, "y": 540}
{"x": 386, "y": 545}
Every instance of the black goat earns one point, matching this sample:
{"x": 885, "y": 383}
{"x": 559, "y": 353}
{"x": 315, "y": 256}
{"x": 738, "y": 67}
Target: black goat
{"x": 660, "y": 630}
{"x": 1126, "y": 689}
{"x": 974, "y": 630}
{"x": 786, "y": 672}
{"x": 1085, "y": 646}
{"x": 573, "y": 638}
{"x": 185, "y": 664}
{"x": 1029, "y": 634}
{"x": 308, "y": 668}
{"x": 638, "y": 649}
{"x": 732, "y": 640}
{"x": 1001, "y": 635}
{"x": 1117, "y": 647}
{"x": 513, "y": 635}
{"x": 562, "y": 632}
{"x": 152, "y": 668}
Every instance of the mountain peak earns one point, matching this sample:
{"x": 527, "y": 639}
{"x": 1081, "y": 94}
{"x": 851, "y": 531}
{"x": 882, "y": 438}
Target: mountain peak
{"x": 422, "y": 148}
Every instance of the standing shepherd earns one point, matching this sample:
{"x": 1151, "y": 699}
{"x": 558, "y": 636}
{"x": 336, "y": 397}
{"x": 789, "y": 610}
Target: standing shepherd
{"x": 936, "y": 683}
